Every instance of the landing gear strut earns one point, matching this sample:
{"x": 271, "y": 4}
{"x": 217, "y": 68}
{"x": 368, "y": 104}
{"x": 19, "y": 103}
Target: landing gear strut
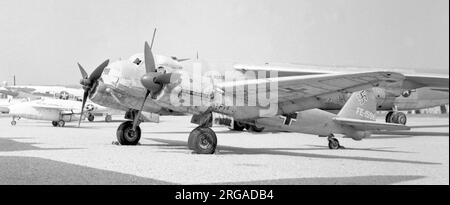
{"x": 13, "y": 122}
{"x": 333, "y": 143}
{"x": 396, "y": 117}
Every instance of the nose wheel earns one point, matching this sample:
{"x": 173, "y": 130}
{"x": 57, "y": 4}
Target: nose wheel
{"x": 126, "y": 135}
{"x": 13, "y": 123}
{"x": 203, "y": 140}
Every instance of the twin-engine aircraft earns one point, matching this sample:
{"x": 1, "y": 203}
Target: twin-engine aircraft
{"x": 158, "y": 84}
{"x": 417, "y": 91}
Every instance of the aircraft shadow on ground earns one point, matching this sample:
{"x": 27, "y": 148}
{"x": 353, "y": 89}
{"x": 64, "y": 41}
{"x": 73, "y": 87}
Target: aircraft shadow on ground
{"x": 18, "y": 170}
{"x": 229, "y": 150}
{"x": 11, "y": 145}
{"x": 35, "y": 170}
{"x": 366, "y": 180}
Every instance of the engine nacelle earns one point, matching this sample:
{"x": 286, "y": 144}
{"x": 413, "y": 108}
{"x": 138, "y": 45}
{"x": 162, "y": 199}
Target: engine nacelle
{"x": 359, "y": 135}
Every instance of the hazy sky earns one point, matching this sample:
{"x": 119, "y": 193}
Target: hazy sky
{"x": 41, "y": 40}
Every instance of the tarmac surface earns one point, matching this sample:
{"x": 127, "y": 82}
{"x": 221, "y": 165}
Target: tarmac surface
{"x": 35, "y": 152}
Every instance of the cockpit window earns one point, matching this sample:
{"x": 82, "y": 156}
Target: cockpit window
{"x": 137, "y": 61}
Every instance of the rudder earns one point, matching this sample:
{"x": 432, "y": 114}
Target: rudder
{"x": 361, "y": 105}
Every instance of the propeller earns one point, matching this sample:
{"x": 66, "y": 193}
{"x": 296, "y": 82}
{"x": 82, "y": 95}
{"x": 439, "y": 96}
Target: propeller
{"x": 88, "y": 81}
{"x": 152, "y": 80}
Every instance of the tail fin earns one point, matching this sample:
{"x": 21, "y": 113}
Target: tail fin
{"x": 361, "y": 105}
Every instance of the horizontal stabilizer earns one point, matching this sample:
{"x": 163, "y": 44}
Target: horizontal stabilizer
{"x": 369, "y": 125}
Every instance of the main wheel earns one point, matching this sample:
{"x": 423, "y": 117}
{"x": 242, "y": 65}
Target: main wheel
{"x": 203, "y": 140}
{"x": 389, "y": 117}
{"x": 91, "y": 118}
{"x": 13, "y": 123}
{"x": 399, "y": 118}
{"x": 126, "y": 135}
{"x": 108, "y": 118}
{"x": 333, "y": 143}
{"x": 254, "y": 128}
{"x": 238, "y": 126}
{"x": 61, "y": 123}
{"x": 55, "y": 123}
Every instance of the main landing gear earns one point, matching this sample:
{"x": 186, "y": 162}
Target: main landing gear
{"x": 14, "y": 122}
{"x": 108, "y": 118}
{"x": 202, "y": 140}
{"x": 396, "y": 117}
{"x": 60, "y": 123}
{"x": 91, "y": 117}
{"x": 333, "y": 143}
{"x": 126, "y": 135}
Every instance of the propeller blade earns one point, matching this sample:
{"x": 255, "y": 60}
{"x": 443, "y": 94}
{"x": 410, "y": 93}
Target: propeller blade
{"x": 98, "y": 71}
{"x": 149, "y": 59}
{"x": 83, "y": 72}
{"x": 85, "y": 95}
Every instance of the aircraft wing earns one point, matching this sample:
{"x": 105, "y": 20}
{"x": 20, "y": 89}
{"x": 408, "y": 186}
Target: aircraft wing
{"x": 8, "y": 92}
{"x": 50, "y": 107}
{"x": 370, "y": 125}
{"x": 297, "y": 87}
{"x": 412, "y": 81}
{"x": 418, "y": 81}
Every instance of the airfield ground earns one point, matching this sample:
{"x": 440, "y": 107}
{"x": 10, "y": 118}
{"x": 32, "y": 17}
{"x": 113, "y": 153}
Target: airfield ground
{"x": 34, "y": 152}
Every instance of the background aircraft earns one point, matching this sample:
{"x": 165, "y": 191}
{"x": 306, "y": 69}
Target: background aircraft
{"x": 418, "y": 91}
{"x": 55, "y": 110}
{"x": 355, "y": 120}
{"x": 127, "y": 84}
{"x": 30, "y": 93}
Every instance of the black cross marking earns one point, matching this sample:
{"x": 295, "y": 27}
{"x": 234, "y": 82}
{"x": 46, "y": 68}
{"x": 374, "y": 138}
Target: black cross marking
{"x": 288, "y": 118}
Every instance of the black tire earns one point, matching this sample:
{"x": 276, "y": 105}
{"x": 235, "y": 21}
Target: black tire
{"x": 203, "y": 140}
{"x": 389, "y": 117}
{"x": 108, "y": 118}
{"x": 126, "y": 136}
{"x": 61, "y": 123}
{"x": 55, "y": 123}
{"x": 191, "y": 139}
{"x": 399, "y": 118}
{"x": 13, "y": 123}
{"x": 91, "y": 118}
{"x": 333, "y": 143}
{"x": 238, "y": 126}
{"x": 254, "y": 128}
